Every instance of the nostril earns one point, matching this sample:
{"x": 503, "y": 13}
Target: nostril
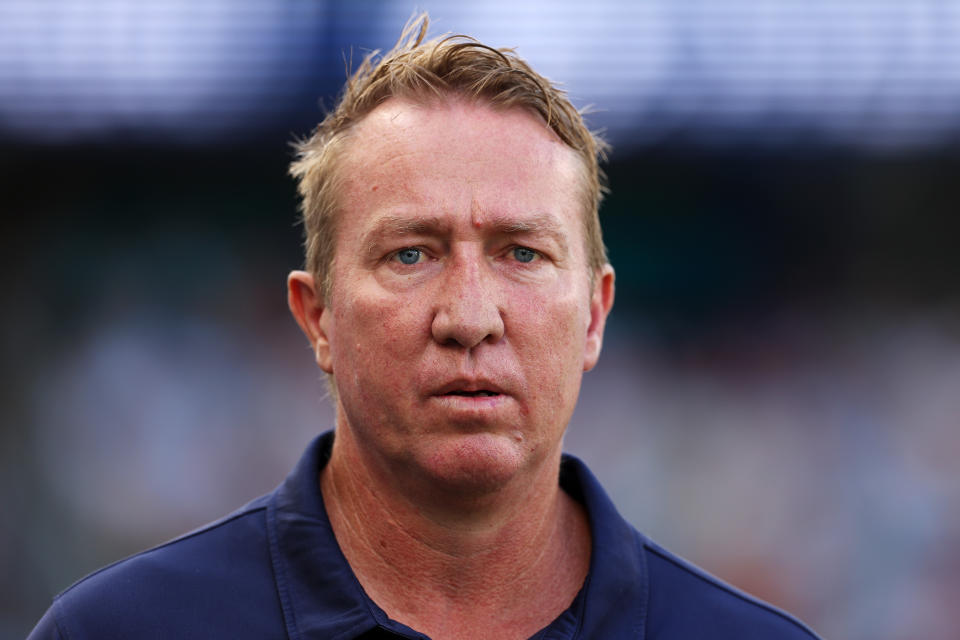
{"x": 467, "y": 321}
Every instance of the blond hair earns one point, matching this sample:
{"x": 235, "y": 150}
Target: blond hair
{"x": 444, "y": 66}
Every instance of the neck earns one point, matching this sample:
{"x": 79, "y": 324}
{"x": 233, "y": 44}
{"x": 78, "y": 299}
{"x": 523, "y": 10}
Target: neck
{"x": 498, "y": 564}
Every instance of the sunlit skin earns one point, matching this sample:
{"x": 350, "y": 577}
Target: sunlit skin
{"x": 461, "y": 318}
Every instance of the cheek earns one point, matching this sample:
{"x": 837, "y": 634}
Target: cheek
{"x": 553, "y": 336}
{"x": 379, "y": 339}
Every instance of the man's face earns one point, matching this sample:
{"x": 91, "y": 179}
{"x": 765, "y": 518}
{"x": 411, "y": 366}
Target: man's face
{"x": 461, "y": 316}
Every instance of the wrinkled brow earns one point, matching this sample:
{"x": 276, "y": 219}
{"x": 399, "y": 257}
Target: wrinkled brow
{"x": 537, "y": 225}
{"x": 393, "y": 226}
{"x": 397, "y": 225}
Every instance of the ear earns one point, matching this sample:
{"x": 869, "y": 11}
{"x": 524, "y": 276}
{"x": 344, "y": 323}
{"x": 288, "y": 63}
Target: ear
{"x": 601, "y": 301}
{"x": 308, "y": 309}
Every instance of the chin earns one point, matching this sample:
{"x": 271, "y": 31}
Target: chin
{"x": 477, "y": 463}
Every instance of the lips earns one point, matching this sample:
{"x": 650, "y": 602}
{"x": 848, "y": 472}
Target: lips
{"x": 469, "y": 389}
{"x": 483, "y": 393}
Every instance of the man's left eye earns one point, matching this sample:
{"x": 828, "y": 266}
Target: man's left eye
{"x": 523, "y": 254}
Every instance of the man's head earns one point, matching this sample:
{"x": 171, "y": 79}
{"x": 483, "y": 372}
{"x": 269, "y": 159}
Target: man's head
{"x": 462, "y": 297}
{"x": 420, "y": 70}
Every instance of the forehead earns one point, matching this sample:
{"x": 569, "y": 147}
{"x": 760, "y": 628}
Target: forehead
{"x": 448, "y": 150}
{"x": 410, "y": 123}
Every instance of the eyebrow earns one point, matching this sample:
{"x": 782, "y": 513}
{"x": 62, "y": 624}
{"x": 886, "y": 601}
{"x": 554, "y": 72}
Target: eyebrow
{"x": 397, "y": 225}
{"x": 539, "y": 224}
{"x": 391, "y": 226}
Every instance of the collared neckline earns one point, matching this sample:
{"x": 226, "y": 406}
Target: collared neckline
{"x": 322, "y": 598}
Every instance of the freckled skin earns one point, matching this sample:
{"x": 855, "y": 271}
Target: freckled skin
{"x": 468, "y": 309}
{"x": 459, "y": 268}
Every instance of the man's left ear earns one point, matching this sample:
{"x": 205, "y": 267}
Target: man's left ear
{"x": 600, "y": 304}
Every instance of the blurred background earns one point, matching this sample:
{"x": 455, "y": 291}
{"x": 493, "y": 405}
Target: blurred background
{"x": 779, "y": 397}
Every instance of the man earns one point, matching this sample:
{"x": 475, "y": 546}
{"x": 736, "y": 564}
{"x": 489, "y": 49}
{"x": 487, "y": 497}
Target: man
{"x": 456, "y": 290}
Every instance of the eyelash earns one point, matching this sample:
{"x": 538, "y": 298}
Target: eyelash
{"x": 534, "y": 255}
{"x": 396, "y": 255}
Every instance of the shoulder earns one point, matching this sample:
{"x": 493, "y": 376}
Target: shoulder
{"x": 638, "y": 588}
{"x": 178, "y": 589}
{"x": 687, "y": 602}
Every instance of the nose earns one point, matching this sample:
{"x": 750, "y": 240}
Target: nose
{"x": 467, "y": 312}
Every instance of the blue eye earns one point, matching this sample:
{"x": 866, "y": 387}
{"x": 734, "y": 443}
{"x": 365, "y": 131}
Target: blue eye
{"x": 523, "y": 254}
{"x": 409, "y": 255}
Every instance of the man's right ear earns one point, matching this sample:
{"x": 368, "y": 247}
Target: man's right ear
{"x": 308, "y": 309}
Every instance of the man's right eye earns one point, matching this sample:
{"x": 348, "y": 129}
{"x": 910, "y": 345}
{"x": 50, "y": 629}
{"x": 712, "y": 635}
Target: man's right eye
{"x": 409, "y": 255}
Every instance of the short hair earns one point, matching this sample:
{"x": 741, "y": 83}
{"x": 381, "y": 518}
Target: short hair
{"x": 421, "y": 69}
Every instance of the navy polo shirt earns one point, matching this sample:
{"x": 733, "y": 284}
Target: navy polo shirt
{"x": 273, "y": 570}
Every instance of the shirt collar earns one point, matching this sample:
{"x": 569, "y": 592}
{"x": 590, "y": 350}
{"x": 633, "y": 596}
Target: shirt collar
{"x": 321, "y": 597}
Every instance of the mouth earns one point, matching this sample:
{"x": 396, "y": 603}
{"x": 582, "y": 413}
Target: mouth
{"x": 481, "y": 393}
{"x": 472, "y": 402}
{"x": 469, "y": 389}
